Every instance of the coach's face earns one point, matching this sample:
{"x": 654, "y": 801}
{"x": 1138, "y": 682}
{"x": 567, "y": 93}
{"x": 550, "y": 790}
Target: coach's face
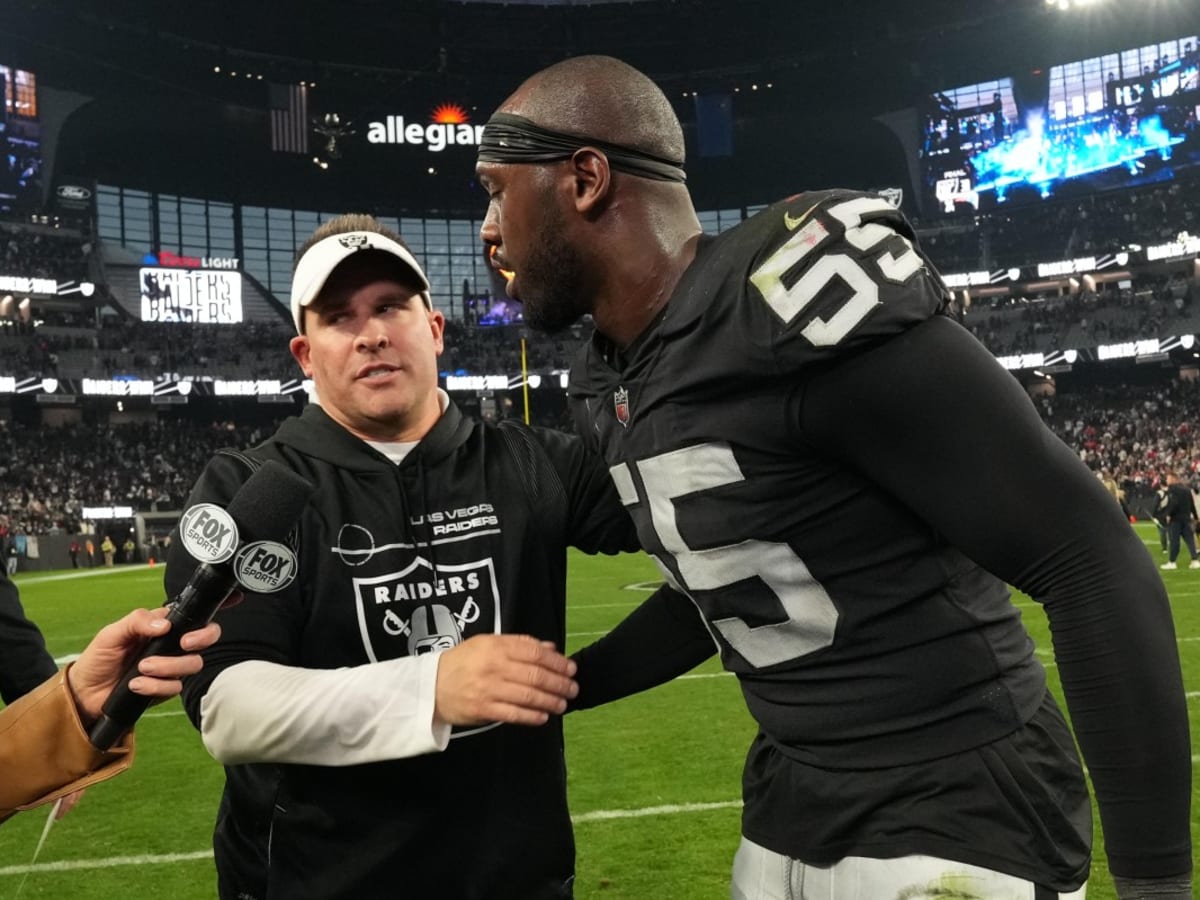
{"x": 370, "y": 346}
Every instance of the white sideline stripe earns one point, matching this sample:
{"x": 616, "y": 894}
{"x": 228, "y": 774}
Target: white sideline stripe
{"x": 112, "y": 862}
{"x": 85, "y": 573}
{"x": 600, "y": 815}
{"x": 67, "y": 865}
{"x": 625, "y": 605}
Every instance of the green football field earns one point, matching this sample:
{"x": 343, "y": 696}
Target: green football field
{"x": 654, "y": 779}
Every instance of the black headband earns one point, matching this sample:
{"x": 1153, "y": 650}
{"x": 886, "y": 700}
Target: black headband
{"x": 508, "y": 138}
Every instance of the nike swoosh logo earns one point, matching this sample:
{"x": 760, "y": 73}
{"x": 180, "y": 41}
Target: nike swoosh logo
{"x": 791, "y": 223}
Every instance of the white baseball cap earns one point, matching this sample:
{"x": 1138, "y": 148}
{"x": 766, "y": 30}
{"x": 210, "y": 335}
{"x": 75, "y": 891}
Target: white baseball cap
{"x": 319, "y": 261}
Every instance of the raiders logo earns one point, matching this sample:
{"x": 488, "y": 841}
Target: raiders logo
{"x": 354, "y": 241}
{"x": 894, "y": 196}
{"x": 420, "y": 610}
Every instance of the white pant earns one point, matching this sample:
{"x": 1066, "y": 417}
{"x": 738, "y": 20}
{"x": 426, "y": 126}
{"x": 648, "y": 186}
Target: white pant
{"x": 762, "y": 874}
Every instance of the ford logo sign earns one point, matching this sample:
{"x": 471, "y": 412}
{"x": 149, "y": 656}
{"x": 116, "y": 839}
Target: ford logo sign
{"x": 73, "y": 192}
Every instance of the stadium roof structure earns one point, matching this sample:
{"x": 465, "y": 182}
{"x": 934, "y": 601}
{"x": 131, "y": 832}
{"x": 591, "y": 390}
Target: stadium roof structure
{"x": 173, "y": 92}
{"x": 876, "y": 52}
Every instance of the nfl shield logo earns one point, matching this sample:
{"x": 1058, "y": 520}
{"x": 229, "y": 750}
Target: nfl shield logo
{"x": 621, "y": 405}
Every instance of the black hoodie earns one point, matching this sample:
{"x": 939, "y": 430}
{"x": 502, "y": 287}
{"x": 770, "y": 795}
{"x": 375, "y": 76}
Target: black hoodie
{"x": 491, "y": 509}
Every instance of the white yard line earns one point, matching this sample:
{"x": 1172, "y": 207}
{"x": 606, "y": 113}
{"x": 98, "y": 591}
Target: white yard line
{"x": 140, "y": 568}
{"x": 113, "y": 862}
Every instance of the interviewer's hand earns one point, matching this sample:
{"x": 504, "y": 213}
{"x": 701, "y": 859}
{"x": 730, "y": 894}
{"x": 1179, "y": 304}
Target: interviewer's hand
{"x": 503, "y": 678}
{"x": 92, "y": 677}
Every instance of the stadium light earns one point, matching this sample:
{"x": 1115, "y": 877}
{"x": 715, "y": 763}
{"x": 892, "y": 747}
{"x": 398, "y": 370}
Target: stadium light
{"x": 1066, "y": 5}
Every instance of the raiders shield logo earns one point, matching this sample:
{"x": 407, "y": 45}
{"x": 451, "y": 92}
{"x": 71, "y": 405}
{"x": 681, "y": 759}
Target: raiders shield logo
{"x": 894, "y": 196}
{"x": 422, "y": 610}
{"x": 621, "y": 405}
{"x": 418, "y": 610}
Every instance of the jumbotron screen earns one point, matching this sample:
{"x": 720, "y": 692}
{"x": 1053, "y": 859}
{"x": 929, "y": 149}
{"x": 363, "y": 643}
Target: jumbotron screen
{"x": 190, "y": 295}
{"x": 1110, "y": 121}
{"x": 20, "y": 142}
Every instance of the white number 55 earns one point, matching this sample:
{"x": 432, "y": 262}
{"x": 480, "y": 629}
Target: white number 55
{"x": 807, "y": 616}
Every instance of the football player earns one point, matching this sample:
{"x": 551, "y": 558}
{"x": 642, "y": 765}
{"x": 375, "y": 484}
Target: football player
{"x": 759, "y": 397}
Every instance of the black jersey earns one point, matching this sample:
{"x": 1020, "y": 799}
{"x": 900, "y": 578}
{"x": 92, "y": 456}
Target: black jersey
{"x": 856, "y": 630}
{"x": 771, "y": 434}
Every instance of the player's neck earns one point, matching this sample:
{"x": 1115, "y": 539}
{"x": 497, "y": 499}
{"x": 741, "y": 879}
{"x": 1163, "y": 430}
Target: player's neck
{"x": 638, "y": 297}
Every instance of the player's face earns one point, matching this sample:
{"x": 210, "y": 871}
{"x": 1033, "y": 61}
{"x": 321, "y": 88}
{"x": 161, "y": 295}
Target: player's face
{"x": 529, "y": 230}
{"x": 371, "y": 348}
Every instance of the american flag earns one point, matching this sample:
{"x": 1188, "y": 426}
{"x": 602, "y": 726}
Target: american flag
{"x": 289, "y": 118}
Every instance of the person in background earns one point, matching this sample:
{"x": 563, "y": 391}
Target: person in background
{"x": 1179, "y": 512}
{"x": 757, "y": 396}
{"x": 109, "y": 549}
{"x": 1160, "y": 513}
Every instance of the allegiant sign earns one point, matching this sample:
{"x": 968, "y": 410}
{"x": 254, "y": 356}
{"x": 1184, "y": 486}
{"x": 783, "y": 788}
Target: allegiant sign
{"x": 448, "y": 128}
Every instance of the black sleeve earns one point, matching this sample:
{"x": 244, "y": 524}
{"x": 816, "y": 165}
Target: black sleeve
{"x": 932, "y": 418}
{"x": 261, "y": 626}
{"x": 595, "y": 520}
{"x": 660, "y": 640}
{"x": 24, "y": 660}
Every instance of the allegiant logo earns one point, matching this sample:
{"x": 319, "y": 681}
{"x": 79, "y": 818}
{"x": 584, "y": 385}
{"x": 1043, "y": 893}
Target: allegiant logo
{"x": 448, "y": 128}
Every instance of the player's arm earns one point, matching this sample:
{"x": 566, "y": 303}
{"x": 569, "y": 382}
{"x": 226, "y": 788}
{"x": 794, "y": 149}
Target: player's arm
{"x": 931, "y": 417}
{"x": 662, "y": 639}
{"x": 574, "y": 479}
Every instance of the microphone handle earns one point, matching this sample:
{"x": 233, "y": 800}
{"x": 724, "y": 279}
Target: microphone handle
{"x": 195, "y": 606}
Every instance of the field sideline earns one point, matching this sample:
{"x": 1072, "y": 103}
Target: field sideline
{"x": 654, "y": 780}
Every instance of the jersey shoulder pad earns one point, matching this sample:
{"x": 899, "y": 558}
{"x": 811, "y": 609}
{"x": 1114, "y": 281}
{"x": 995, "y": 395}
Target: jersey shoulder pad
{"x": 837, "y": 269}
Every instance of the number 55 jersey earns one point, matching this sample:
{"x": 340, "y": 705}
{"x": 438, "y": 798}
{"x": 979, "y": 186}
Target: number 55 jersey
{"x": 827, "y": 465}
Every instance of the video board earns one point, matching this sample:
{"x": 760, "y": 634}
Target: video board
{"x": 20, "y": 142}
{"x": 1111, "y": 121}
{"x": 190, "y": 295}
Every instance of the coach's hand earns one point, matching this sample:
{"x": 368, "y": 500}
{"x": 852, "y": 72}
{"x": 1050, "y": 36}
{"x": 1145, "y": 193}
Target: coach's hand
{"x": 503, "y": 678}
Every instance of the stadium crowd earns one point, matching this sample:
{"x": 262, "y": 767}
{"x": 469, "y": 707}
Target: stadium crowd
{"x": 43, "y": 252}
{"x": 1135, "y": 433}
{"x": 1152, "y": 305}
{"x": 49, "y": 474}
{"x": 1061, "y": 229}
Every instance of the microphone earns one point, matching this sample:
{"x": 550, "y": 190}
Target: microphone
{"x": 239, "y": 545}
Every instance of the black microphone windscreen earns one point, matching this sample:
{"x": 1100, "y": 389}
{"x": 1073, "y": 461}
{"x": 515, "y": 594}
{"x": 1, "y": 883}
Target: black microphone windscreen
{"x": 269, "y": 503}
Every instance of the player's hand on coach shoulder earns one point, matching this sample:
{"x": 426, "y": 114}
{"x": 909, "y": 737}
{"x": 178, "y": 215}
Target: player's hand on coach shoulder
{"x": 1154, "y": 888}
{"x": 503, "y": 678}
